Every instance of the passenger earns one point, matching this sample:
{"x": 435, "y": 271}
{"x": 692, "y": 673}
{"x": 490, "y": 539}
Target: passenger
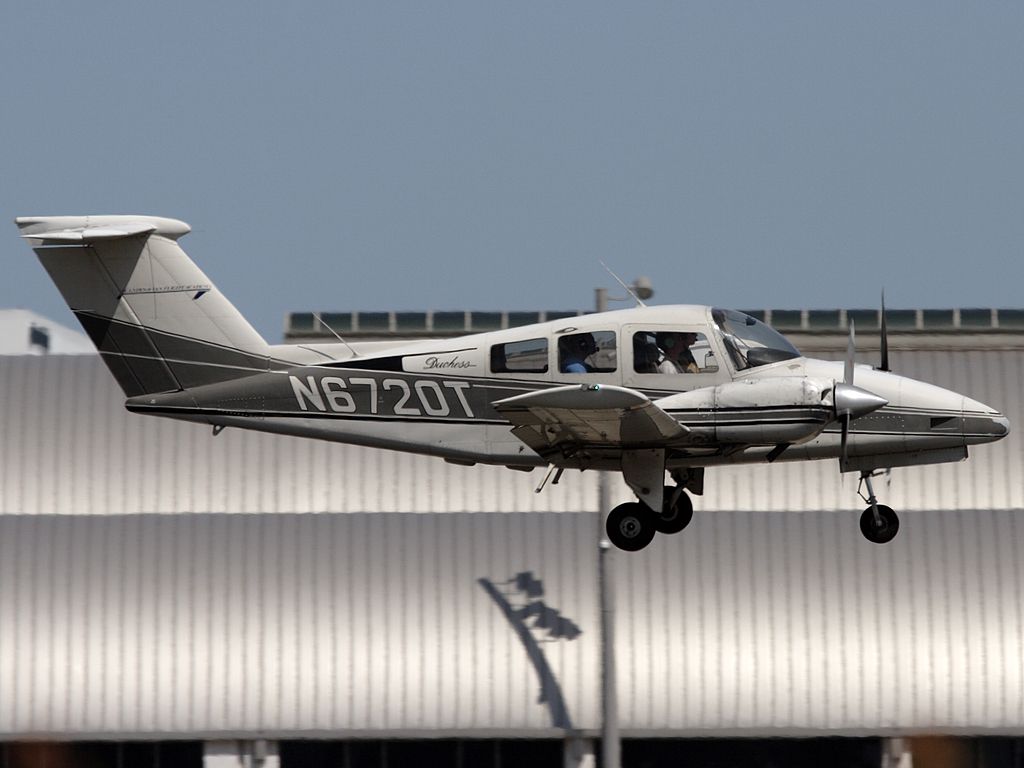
{"x": 573, "y": 352}
{"x": 645, "y": 353}
{"x": 499, "y": 361}
{"x": 677, "y": 357}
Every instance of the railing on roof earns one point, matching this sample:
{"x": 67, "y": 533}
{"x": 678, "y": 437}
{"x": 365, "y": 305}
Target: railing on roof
{"x": 968, "y": 319}
{"x": 306, "y": 325}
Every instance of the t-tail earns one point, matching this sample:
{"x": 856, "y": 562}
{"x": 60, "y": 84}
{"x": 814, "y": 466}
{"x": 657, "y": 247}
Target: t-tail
{"x": 157, "y": 320}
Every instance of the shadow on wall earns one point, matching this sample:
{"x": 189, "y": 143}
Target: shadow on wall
{"x": 518, "y": 599}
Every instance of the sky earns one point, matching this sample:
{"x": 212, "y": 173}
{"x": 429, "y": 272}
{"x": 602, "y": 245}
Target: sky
{"x": 479, "y": 155}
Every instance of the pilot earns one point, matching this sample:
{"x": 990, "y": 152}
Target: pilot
{"x": 676, "y": 355}
{"x": 573, "y": 352}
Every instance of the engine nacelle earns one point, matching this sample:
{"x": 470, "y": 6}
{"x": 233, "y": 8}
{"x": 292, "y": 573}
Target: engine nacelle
{"x": 769, "y": 411}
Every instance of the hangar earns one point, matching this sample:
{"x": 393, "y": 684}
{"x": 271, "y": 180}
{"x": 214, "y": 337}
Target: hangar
{"x": 171, "y": 597}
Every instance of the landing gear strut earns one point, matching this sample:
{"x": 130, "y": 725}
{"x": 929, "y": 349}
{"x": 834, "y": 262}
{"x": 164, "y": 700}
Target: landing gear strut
{"x": 632, "y": 526}
{"x": 878, "y": 523}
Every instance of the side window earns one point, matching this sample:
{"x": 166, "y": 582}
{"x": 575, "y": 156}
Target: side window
{"x": 672, "y": 352}
{"x": 529, "y": 356}
{"x": 587, "y": 352}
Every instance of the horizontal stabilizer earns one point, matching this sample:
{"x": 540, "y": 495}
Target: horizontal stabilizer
{"x": 93, "y": 233}
{"x": 89, "y": 229}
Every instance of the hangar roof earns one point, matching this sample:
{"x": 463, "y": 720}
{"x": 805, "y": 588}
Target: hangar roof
{"x": 319, "y": 326}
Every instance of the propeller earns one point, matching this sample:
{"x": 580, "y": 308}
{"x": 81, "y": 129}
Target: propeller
{"x": 845, "y": 416}
{"x": 884, "y": 363}
{"x": 851, "y": 350}
{"x": 852, "y": 401}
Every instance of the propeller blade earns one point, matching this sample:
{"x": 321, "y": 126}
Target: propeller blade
{"x": 851, "y": 349}
{"x": 851, "y": 403}
{"x": 884, "y": 366}
{"x": 845, "y": 433}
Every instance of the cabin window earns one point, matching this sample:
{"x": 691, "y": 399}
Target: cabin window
{"x": 593, "y": 352}
{"x": 528, "y": 356}
{"x": 672, "y": 352}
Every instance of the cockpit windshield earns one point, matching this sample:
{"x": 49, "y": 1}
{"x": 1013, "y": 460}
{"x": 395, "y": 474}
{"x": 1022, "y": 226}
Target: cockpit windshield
{"x": 750, "y": 342}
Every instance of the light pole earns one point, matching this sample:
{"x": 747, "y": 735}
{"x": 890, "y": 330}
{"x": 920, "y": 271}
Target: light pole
{"x": 611, "y": 746}
{"x": 641, "y": 289}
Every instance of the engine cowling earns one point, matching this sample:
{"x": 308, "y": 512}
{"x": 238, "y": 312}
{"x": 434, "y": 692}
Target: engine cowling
{"x": 768, "y": 411}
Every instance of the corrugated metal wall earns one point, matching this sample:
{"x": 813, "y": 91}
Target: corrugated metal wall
{"x": 69, "y": 447}
{"x": 376, "y": 624}
{"x": 120, "y": 619}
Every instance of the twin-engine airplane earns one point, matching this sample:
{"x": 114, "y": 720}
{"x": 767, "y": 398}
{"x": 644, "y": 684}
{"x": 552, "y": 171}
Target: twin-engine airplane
{"x": 641, "y": 391}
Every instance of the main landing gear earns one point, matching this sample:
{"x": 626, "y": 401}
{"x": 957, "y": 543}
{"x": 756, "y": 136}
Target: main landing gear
{"x": 632, "y": 526}
{"x": 878, "y": 523}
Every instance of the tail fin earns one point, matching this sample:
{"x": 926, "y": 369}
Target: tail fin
{"x": 158, "y": 321}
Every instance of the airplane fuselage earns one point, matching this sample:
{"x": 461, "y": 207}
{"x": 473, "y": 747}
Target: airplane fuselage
{"x": 437, "y": 398}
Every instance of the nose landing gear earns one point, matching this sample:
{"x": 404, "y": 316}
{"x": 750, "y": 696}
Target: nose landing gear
{"x": 878, "y": 523}
{"x": 632, "y": 526}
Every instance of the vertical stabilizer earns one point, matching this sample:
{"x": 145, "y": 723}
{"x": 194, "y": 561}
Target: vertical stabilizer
{"x": 156, "y": 318}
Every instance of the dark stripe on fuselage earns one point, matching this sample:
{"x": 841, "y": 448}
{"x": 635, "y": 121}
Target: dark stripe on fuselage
{"x": 116, "y": 340}
{"x": 145, "y": 360}
{"x": 242, "y": 370}
{"x": 169, "y": 345}
{"x": 167, "y": 410}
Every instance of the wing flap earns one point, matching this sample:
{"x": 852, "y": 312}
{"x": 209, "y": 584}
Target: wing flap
{"x": 588, "y": 414}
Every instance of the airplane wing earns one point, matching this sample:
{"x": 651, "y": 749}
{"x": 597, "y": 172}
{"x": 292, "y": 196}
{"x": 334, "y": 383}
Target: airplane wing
{"x": 588, "y": 414}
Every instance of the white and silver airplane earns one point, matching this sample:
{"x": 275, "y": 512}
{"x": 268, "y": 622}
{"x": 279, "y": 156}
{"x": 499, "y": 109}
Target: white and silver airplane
{"x": 640, "y": 391}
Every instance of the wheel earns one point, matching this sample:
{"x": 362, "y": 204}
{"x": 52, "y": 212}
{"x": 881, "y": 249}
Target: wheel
{"x": 631, "y": 526}
{"x": 674, "y": 517}
{"x": 879, "y": 533}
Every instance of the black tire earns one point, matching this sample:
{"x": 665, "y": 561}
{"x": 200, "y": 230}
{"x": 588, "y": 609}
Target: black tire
{"x": 631, "y": 526}
{"x": 880, "y": 534}
{"x": 673, "y": 518}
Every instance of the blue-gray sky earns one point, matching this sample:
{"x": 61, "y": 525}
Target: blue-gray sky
{"x": 474, "y": 155}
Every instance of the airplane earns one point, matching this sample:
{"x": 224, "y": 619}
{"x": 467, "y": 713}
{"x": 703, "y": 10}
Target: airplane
{"x": 643, "y": 391}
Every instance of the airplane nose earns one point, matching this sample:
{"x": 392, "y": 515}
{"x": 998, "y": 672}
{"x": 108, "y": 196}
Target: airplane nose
{"x": 983, "y": 424}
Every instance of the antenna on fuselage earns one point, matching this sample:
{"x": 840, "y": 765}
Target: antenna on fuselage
{"x": 638, "y": 286}
{"x": 883, "y": 364}
{"x": 336, "y": 334}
